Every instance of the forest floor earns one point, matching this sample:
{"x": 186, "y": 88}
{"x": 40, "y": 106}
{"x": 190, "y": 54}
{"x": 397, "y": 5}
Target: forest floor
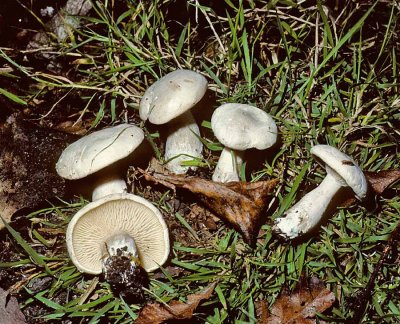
{"x": 327, "y": 72}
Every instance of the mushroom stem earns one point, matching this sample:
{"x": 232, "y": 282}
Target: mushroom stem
{"x": 108, "y": 185}
{"x": 122, "y": 245}
{"x": 227, "y": 169}
{"x": 183, "y": 143}
{"x": 307, "y": 213}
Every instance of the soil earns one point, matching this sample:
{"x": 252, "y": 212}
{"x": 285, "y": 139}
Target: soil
{"x": 27, "y": 164}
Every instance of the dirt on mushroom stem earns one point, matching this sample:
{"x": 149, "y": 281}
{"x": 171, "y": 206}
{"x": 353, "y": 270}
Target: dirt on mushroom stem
{"x": 126, "y": 278}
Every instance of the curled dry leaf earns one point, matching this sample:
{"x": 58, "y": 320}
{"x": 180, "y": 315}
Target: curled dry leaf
{"x": 159, "y": 313}
{"x": 302, "y": 304}
{"x": 10, "y": 312}
{"x": 381, "y": 180}
{"x": 378, "y": 183}
{"x": 239, "y": 203}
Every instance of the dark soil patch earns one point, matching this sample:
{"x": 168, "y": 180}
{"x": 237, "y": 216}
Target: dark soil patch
{"x": 27, "y": 164}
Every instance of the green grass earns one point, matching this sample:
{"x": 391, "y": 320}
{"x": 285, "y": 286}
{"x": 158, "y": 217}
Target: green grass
{"x": 323, "y": 81}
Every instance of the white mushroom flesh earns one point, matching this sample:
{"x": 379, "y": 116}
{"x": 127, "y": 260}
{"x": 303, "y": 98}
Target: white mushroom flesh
{"x": 108, "y": 185}
{"x": 240, "y": 127}
{"x": 307, "y": 213}
{"x": 171, "y": 96}
{"x": 169, "y": 100}
{"x": 122, "y": 244}
{"x": 228, "y": 166}
{"x": 98, "y": 150}
{"x": 183, "y": 143}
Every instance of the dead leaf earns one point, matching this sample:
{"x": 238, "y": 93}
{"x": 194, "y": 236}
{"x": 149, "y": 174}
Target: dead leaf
{"x": 302, "y": 305}
{"x": 159, "y": 313}
{"x": 262, "y": 311}
{"x": 381, "y": 180}
{"x": 239, "y": 203}
{"x": 378, "y": 183}
{"x": 75, "y": 128}
{"x": 10, "y": 312}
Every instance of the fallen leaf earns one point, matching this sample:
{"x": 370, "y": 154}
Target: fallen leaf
{"x": 159, "y": 313}
{"x": 239, "y": 203}
{"x": 78, "y": 128}
{"x": 10, "y": 312}
{"x": 381, "y": 180}
{"x": 378, "y": 183}
{"x": 302, "y": 304}
{"x": 262, "y": 311}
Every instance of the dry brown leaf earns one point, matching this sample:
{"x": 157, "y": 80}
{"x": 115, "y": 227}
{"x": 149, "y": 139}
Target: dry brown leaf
{"x": 302, "y": 305}
{"x": 381, "y": 180}
{"x": 239, "y": 203}
{"x": 378, "y": 182}
{"x": 262, "y": 311}
{"x": 10, "y": 312}
{"x": 159, "y": 313}
{"x": 70, "y": 127}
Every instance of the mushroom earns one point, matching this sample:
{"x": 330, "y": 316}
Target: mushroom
{"x": 240, "y": 127}
{"x": 97, "y": 151}
{"x": 117, "y": 224}
{"x": 342, "y": 171}
{"x": 169, "y": 100}
{"x": 117, "y": 228}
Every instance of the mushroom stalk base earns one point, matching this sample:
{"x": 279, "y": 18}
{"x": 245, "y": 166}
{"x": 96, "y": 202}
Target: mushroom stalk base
{"x": 108, "y": 185}
{"x": 307, "y": 213}
{"x": 183, "y": 143}
{"x": 122, "y": 245}
{"x": 122, "y": 270}
{"x": 227, "y": 169}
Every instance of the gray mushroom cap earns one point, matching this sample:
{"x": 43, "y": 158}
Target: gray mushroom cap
{"x": 98, "y": 150}
{"x": 342, "y": 167}
{"x": 241, "y": 127}
{"x": 110, "y": 216}
{"x": 171, "y": 96}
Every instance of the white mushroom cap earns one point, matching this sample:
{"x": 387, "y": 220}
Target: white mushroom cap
{"x": 98, "y": 150}
{"x": 171, "y": 96}
{"x": 342, "y": 167}
{"x": 110, "y": 216}
{"x": 241, "y": 127}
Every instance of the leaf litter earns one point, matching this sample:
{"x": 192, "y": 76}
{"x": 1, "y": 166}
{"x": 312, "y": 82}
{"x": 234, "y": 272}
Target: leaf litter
{"x": 155, "y": 313}
{"x": 301, "y": 306}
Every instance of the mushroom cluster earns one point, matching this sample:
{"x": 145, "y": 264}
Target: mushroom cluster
{"x": 120, "y": 230}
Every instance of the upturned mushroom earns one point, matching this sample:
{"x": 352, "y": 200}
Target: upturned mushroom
{"x": 118, "y": 224}
{"x": 306, "y": 214}
{"x": 240, "y": 127}
{"x": 169, "y": 100}
{"x": 117, "y": 227}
